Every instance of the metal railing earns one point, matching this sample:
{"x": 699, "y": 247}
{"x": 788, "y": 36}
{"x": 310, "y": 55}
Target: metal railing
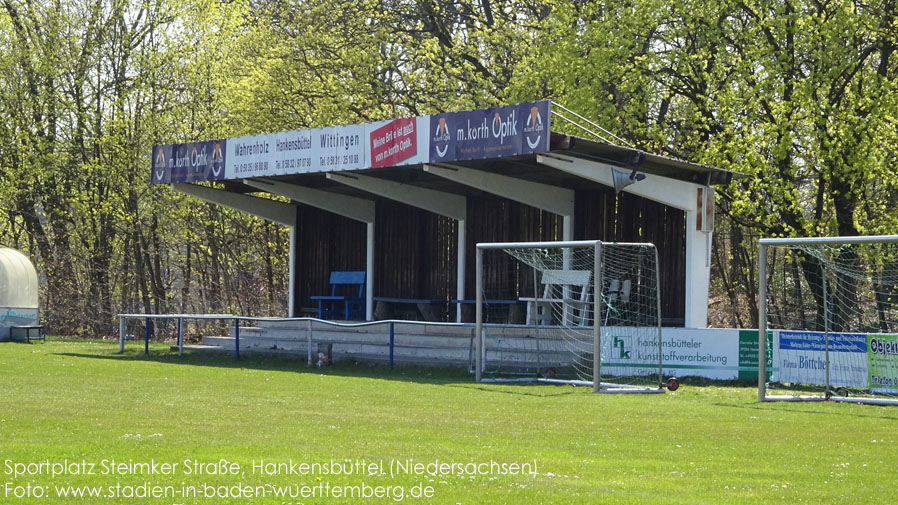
{"x": 237, "y": 319}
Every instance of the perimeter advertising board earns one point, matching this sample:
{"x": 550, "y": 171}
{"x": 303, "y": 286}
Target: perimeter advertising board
{"x": 12, "y": 316}
{"x": 485, "y": 133}
{"x": 856, "y": 360}
{"x": 882, "y": 363}
{"x": 800, "y": 357}
{"x": 710, "y": 353}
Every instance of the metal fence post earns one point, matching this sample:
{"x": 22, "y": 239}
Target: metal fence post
{"x": 236, "y": 338}
{"x": 392, "y": 340}
{"x": 121, "y": 334}
{"x": 180, "y": 337}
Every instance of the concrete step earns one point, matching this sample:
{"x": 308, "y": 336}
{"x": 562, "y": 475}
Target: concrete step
{"x": 248, "y": 331}
{"x": 377, "y": 333}
{"x": 527, "y": 346}
{"x": 413, "y": 326}
{"x": 400, "y": 360}
{"x": 404, "y": 327}
{"x": 357, "y": 353}
{"x": 423, "y": 344}
{"x": 265, "y": 342}
{"x": 504, "y": 361}
{"x": 343, "y": 336}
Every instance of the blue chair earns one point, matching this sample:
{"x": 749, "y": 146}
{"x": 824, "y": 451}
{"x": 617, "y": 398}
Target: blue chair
{"x": 347, "y": 298}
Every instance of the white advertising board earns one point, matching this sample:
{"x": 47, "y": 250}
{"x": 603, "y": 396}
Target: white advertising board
{"x": 709, "y": 353}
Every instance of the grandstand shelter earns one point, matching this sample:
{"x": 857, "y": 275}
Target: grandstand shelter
{"x": 406, "y": 200}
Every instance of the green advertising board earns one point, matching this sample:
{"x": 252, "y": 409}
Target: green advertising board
{"x": 882, "y": 363}
{"x": 748, "y": 354}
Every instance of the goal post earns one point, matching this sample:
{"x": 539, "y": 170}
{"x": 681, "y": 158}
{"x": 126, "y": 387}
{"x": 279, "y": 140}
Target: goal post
{"x": 592, "y": 314}
{"x": 828, "y": 319}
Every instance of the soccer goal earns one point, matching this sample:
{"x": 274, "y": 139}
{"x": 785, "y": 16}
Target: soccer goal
{"x": 590, "y": 312}
{"x": 828, "y": 319}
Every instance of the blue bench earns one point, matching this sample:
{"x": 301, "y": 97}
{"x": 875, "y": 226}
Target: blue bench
{"x": 347, "y": 298}
{"x": 422, "y": 306}
{"x": 487, "y": 302}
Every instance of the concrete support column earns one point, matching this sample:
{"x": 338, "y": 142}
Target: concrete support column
{"x": 369, "y": 273}
{"x": 292, "y": 281}
{"x": 698, "y": 273}
{"x": 460, "y": 270}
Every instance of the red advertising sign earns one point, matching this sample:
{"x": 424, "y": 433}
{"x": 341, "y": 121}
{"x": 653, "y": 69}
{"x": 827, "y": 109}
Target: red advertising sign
{"x": 393, "y": 142}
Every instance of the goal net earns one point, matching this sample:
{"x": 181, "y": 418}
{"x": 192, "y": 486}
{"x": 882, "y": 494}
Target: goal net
{"x": 565, "y": 332}
{"x": 828, "y": 319}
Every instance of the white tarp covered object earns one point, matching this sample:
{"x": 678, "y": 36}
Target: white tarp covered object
{"x": 18, "y": 291}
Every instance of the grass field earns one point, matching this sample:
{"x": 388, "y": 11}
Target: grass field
{"x": 77, "y": 401}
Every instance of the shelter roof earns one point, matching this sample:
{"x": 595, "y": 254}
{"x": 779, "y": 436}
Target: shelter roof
{"x": 527, "y": 167}
{"x": 513, "y": 140}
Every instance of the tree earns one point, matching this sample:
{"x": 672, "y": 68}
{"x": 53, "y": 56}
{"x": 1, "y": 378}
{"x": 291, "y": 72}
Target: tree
{"x": 801, "y": 95}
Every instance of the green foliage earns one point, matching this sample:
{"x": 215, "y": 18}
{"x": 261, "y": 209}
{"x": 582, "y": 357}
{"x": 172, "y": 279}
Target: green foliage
{"x": 86, "y": 89}
{"x": 800, "y": 95}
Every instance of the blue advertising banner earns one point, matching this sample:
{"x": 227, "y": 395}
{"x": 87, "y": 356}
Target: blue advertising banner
{"x": 490, "y": 133}
{"x": 800, "y": 357}
{"x": 816, "y": 341}
{"x": 196, "y": 161}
